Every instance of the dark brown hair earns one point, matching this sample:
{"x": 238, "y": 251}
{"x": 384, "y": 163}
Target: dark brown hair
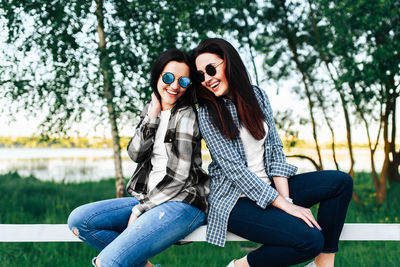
{"x": 240, "y": 90}
{"x": 158, "y": 66}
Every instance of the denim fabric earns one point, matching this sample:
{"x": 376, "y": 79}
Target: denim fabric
{"x": 103, "y": 224}
{"x": 288, "y": 240}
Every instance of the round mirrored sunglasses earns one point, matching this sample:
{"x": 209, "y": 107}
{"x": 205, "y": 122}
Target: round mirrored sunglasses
{"x": 169, "y": 78}
{"x": 210, "y": 70}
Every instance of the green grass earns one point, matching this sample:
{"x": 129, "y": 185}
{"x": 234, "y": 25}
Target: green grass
{"x": 28, "y": 200}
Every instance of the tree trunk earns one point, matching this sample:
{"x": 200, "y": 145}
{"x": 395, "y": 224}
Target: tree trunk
{"x": 342, "y": 98}
{"x": 372, "y": 148}
{"x": 328, "y": 122}
{"x": 293, "y": 48}
{"x": 314, "y": 125}
{"x": 381, "y": 194}
{"x": 348, "y": 130}
{"x": 389, "y": 170}
{"x": 250, "y": 44}
{"x": 109, "y": 95}
{"x": 393, "y": 164}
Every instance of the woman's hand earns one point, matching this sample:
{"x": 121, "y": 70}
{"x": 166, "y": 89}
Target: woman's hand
{"x": 132, "y": 218}
{"x": 155, "y": 107}
{"x": 304, "y": 214}
{"x": 296, "y": 211}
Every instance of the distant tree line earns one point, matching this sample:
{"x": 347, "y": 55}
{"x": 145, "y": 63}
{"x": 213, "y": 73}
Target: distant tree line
{"x": 41, "y": 141}
{"x": 69, "y": 58}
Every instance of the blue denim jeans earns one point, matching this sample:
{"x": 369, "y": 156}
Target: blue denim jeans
{"x": 287, "y": 240}
{"x": 103, "y": 225}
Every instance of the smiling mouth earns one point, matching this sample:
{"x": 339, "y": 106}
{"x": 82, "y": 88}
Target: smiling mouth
{"x": 214, "y": 85}
{"x": 172, "y": 92}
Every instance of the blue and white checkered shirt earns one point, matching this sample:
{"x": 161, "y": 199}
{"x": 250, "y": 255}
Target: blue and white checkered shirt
{"x": 228, "y": 171}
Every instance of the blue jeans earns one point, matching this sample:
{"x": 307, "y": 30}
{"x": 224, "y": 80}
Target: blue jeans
{"x": 103, "y": 225}
{"x": 288, "y": 240}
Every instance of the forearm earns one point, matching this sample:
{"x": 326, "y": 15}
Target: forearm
{"x": 282, "y": 186}
{"x": 141, "y": 143}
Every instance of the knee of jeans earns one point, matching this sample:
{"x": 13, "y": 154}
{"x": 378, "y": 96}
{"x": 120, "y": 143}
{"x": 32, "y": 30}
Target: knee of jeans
{"x": 347, "y": 182}
{"x": 114, "y": 261}
{"x": 75, "y": 221}
{"x": 314, "y": 243}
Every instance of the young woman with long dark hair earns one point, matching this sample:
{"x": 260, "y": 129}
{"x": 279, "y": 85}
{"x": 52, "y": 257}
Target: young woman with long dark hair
{"x": 168, "y": 188}
{"x": 254, "y": 192}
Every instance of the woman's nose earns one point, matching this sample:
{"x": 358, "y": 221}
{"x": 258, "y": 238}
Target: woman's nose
{"x": 175, "y": 84}
{"x": 207, "y": 77}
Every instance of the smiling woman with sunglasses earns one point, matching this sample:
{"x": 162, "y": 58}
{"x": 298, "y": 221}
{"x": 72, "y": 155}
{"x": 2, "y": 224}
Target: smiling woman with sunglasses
{"x": 254, "y": 192}
{"x": 168, "y": 188}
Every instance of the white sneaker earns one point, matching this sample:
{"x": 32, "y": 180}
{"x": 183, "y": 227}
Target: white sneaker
{"x": 231, "y": 264}
{"x": 311, "y": 264}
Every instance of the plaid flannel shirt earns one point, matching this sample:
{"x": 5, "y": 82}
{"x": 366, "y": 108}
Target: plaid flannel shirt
{"x": 228, "y": 171}
{"x": 185, "y": 180}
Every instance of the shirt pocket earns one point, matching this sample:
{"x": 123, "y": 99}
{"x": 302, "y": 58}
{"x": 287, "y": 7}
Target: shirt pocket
{"x": 168, "y": 142}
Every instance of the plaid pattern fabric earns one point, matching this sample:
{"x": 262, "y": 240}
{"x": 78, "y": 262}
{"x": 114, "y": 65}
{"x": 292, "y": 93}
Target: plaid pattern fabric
{"x": 185, "y": 180}
{"x": 229, "y": 175}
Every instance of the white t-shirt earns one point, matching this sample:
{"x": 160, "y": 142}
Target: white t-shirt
{"x": 255, "y": 153}
{"x": 159, "y": 157}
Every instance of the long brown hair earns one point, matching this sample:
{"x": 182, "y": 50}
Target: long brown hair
{"x": 240, "y": 90}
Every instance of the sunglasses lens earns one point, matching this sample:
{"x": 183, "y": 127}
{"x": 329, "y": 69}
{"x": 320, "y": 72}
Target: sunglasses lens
{"x": 210, "y": 69}
{"x": 200, "y": 76}
{"x": 168, "y": 78}
{"x": 184, "y": 82}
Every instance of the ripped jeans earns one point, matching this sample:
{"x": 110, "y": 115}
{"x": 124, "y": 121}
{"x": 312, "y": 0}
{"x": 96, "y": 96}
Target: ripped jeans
{"x": 102, "y": 225}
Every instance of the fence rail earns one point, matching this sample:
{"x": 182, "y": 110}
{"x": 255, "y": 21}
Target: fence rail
{"x": 61, "y": 233}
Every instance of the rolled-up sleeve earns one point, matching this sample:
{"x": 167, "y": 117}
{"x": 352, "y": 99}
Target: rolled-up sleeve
{"x": 140, "y": 146}
{"x": 277, "y": 165}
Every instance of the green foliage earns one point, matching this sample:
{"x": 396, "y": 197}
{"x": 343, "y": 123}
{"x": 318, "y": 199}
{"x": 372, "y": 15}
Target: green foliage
{"x": 60, "y": 42}
{"x": 52, "y": 61}
{"x": 361, "y": 39}
{"x": 92, "y": 59}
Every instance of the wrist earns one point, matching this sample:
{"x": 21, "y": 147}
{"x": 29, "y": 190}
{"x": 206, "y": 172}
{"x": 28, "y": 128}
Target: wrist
{"x": 281, "y": 203}
{"x": 136, "y": 211}
{"x": 289, "y": 199}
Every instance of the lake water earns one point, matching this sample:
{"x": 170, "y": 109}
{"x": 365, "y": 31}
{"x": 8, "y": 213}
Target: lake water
{"x": 76, "y": 164}
{"x": 66, "y": 164}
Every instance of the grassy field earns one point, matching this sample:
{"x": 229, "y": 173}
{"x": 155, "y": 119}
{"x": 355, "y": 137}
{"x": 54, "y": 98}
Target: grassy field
{"x": 28, "y": 200}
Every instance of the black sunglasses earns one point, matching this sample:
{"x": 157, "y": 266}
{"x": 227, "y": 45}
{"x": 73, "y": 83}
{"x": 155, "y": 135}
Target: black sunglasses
{"x": 210, "y": 70}
{"x": 169, "y": 78}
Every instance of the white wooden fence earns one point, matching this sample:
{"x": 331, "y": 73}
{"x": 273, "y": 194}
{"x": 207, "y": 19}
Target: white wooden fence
{"x": 61, "y": 233}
